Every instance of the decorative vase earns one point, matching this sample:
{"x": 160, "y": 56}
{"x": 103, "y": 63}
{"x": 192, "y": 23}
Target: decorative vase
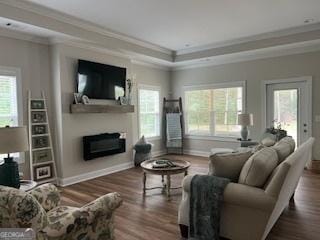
{"x": 9, "y": 173}
{"x": 244, "y": 133}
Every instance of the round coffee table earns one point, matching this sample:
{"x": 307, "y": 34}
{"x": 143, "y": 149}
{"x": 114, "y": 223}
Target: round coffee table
{"x": 147, "y": 166}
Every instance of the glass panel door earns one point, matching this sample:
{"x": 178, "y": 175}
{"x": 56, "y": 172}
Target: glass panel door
{"x": 286, "y": 111}
{"x": 287, "y": 106}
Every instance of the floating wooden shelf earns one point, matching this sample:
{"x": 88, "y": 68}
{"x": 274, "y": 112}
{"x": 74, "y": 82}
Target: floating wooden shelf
{"x": 95, "y": 108}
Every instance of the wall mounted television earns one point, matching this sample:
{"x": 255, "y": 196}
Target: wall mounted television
{"x": 100, "y": 81}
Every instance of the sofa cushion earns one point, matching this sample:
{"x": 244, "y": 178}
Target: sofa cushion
{"x": 259, "y": 166}
{"x": 290, "y": 141}
{"x": 284, "y": 148}
{"x": 228, "y": 165}
{"x": 268, "y": 142}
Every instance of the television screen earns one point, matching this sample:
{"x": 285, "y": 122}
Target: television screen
{"x": 100, "y": 81}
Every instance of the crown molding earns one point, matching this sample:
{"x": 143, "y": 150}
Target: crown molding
{"x": 4, "y": 32}
{"x": 44, "y": 11}
{"x": 90, "y": 46}
{"x": 265, "y": 43}
{"x": 151, "y": 65}
{"x": 271, "y": 52}
{"x": 258, "y": 37}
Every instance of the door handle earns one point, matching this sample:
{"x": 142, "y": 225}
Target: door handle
{"x": 305, "y": 130}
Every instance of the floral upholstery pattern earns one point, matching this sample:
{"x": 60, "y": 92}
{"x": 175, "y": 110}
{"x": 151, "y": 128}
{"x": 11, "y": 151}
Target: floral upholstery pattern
{"x": 47, "y": 195}
{"x": 39, "y": 209}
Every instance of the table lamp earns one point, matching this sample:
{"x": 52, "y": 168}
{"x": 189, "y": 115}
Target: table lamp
{"x": 245, "y": 120}
{"x": 12, "y": 140}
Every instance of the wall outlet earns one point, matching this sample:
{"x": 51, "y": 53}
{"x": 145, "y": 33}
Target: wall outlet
{"x": 317, "y": 119}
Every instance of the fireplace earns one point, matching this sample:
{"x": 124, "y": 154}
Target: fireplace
{"x": 103, "y": 144}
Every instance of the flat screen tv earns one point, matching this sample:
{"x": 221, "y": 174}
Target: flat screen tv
{"x": 100, "y": 81}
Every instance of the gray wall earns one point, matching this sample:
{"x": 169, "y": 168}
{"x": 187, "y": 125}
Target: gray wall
{"x": 34, "y": 62}
{"x": 156, "y": 77}
{"x": 74, "y": 126}
{"x": 254, "y": 72}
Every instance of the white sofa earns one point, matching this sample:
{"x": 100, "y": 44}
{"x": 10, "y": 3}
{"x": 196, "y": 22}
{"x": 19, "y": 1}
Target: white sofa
{"x": 249, "y": 213}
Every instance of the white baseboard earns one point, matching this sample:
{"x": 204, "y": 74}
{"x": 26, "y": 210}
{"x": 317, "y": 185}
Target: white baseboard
{"x": 90, "y": 175}
{"x": 158, "y": 153}
{"x": 196, "y": 153}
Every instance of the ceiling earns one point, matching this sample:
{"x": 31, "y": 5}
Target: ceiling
{"x": 183, "y": 24}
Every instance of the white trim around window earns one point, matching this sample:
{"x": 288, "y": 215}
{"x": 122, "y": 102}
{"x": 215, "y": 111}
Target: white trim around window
{"x": 12, "y": 71}
{"x": 215, "y": 86}
{"x": 151, "y": 88}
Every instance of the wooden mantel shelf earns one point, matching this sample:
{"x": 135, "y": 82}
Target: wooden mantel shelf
{"x": 95, "y": 108}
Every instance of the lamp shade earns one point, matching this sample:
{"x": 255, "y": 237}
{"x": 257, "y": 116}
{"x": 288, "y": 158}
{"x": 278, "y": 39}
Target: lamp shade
{"x": 13, "y": 139}
{"x": 245, "y": 119}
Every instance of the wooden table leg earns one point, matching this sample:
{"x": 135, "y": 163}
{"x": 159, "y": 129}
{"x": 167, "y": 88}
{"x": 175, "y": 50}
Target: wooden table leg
{"x": 164, "y": 186}
{"x": 168, "y": 186}
{"x": 144, "y": 182}
{"x": 186, "y": 173}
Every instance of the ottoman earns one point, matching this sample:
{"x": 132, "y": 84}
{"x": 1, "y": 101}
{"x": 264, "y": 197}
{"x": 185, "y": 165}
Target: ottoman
{"x": 143, "y": 153}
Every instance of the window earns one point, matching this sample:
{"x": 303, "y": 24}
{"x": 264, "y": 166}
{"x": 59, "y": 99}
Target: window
{"x": 9, "y": 114}
{"x": 212, "y": 110}
{"x": 149, "y": 111}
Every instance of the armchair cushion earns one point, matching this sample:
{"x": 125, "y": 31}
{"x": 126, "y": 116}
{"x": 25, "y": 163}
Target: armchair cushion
{"x": 228, "y": 165}
{"x": 257, "y": 169}
{"x": 47, "y": 195}
{"x": 19, "y": 209}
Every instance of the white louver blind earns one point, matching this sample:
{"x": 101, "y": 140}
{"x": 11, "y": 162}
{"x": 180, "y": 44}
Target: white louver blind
{"x": 8, "y": 105}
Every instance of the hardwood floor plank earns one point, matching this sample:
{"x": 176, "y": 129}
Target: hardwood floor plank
{"x": 153, "y": 217}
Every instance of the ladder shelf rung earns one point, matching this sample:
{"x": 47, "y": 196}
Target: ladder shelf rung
{"x": 46, "y": 180}
{"x": 40, "y": 135}
{"x": 41, "y": 163}
{"x": 35, "y": 124}
{"x": 38, "y": 110}
{"x": 38, "y": 149}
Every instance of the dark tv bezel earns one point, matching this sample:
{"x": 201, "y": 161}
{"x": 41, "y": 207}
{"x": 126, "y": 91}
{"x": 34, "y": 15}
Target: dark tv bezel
{"x": 77, "y": 77}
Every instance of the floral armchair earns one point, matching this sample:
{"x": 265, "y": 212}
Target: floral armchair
{"x": 39, "y": 209}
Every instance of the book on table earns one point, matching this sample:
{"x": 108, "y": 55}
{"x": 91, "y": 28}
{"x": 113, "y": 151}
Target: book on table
{"x": 163, "y": 164}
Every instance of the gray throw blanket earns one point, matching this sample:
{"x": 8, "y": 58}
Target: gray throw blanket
{"x": 206, "y": 195}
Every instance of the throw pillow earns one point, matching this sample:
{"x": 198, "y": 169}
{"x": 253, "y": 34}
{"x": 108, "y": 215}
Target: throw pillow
{"x": 257, "y": 169}
{"x": 284, "y": 148}
{"x": 141, "y": 141}
{"x": 268, "y": 142}
{"x": 228, "y": 165}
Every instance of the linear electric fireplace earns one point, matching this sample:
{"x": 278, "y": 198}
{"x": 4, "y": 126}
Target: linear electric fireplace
{"x": 103, "y": 144}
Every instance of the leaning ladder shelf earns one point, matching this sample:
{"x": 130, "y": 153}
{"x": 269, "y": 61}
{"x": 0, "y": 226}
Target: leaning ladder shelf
{"x": 173, "y": 106}
{"x": 42, "y": 162}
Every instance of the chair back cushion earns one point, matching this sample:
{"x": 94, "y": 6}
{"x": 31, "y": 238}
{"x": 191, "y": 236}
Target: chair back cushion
{"x": 257, "y": 169}
{"x": 284, "y": 148}
{"x": 20, "y": 210}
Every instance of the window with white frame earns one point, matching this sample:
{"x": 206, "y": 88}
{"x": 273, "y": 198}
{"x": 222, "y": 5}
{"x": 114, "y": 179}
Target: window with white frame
{"x": 9, "y": 114}
{"x": 212, "y": 110}
{"x": 149, "y": 111}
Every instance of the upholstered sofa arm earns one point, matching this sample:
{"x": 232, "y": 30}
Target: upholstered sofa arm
{"x": 47, "y": 195}
{"x": 94, "y": 218}
{"x": 103, "y": 205}
{"x": 186, "y": 183}
{"x": 247, "y": 196}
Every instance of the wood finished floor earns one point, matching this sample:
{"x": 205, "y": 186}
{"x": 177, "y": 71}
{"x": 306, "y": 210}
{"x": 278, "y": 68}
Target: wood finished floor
{"x": 155, "y": 218}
